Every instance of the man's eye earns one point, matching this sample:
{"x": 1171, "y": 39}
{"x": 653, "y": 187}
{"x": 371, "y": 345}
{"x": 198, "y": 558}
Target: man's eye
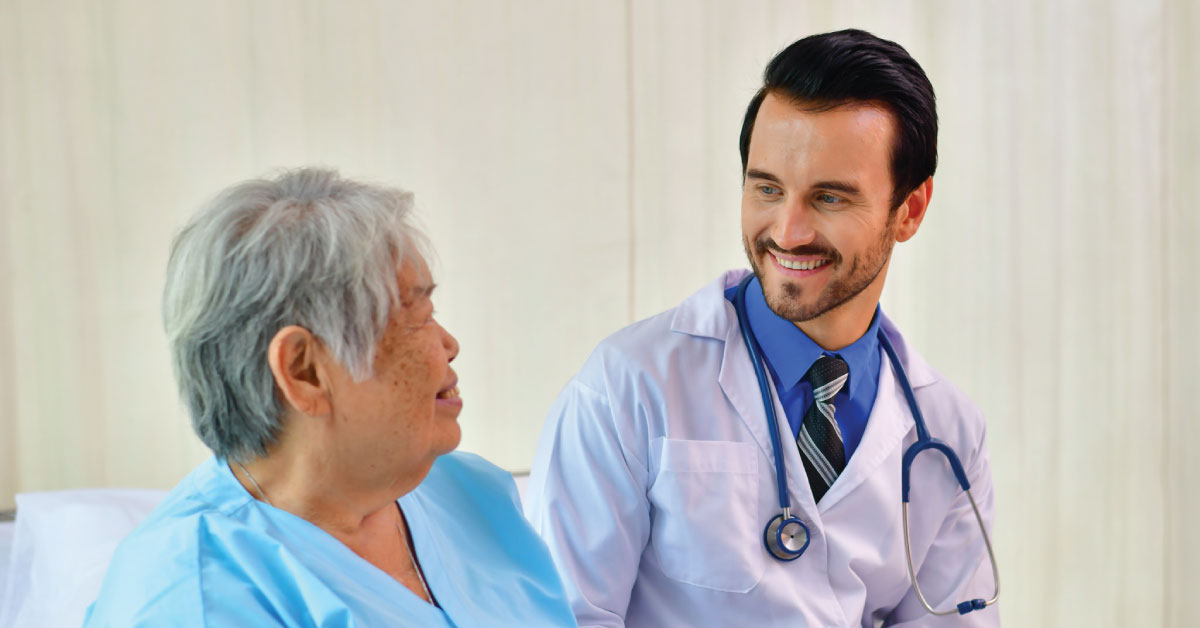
{"x": 768, "y": 190}
{"x": 829, "y": 199}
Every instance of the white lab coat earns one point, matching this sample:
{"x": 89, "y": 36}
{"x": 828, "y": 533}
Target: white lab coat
{"x": 654, "y": 478}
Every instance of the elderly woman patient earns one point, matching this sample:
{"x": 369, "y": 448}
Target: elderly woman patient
{"x": 301, "y": 325}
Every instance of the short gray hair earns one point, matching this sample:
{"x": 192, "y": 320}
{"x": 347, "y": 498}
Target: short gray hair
{"x": 306, "y": 248}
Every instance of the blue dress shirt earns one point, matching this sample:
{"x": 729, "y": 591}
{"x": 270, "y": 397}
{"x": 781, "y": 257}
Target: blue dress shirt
{"x": 789, "y": 353}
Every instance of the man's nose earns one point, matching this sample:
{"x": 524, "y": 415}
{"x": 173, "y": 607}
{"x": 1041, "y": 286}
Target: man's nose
{"x": 793, "y": 225}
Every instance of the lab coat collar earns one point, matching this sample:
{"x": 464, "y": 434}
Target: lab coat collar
{"x": 887, "y": 425}
{"x": 708, "y": 314}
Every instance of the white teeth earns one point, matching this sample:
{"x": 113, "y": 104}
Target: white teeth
{"x": 800, "y": 265}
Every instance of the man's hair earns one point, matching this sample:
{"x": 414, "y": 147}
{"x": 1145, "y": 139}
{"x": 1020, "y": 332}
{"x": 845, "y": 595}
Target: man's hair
{"x": 306, "y": 248}
{"x": 827, "y": 71}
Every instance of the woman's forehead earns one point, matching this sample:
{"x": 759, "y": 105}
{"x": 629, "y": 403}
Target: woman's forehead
{"x": 414, "y": 280}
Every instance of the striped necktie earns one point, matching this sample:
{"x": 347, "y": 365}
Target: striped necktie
{"x": 820, "y": 440}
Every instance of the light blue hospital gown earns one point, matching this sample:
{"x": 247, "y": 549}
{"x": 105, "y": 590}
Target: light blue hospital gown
{"x": 211, "y": 555}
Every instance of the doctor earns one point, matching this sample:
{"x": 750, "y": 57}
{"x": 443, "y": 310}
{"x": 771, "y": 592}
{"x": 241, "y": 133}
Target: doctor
{"x": 655, "y": 472}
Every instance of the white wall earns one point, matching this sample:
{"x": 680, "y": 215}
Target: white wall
{"x": 576, "y": 166}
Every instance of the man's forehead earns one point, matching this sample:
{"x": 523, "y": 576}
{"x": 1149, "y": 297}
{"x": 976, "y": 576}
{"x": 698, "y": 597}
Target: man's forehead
{"x": 842, "y": 143}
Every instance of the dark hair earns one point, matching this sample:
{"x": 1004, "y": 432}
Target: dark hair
{"x": 823, "y": 72}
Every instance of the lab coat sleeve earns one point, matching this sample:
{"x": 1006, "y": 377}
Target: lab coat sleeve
{"x": 587, "y": 500}
{"x": 956, "y": 567}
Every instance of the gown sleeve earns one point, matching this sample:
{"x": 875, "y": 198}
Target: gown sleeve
{"x": 212, "y": 571}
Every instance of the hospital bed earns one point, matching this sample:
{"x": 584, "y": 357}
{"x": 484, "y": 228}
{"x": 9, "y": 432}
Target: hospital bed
{"x": 55, "y": 550}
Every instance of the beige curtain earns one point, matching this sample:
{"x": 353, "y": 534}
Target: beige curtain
{"x": 576, "y": 166}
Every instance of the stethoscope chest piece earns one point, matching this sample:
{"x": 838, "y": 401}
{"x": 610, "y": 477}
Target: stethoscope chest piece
{"x": 786, "y": 537}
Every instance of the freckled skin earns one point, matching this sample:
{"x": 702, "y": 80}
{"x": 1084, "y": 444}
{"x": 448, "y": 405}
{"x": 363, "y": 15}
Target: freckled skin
{"x": 802, "y": 149}
{"x": 394, "y": 426}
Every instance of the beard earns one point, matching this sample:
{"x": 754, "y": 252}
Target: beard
{"x": 849, "y": 277}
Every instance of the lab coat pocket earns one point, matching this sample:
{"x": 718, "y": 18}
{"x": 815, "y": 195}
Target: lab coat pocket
{"x": 704, "y": 531}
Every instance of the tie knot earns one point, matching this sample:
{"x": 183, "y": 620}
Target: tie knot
{"x": 827, "y": 376}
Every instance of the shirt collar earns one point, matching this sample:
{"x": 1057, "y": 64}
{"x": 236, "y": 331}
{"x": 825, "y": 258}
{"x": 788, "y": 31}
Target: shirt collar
{"x": 791, "y": 352}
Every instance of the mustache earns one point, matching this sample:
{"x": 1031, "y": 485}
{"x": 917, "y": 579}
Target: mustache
{"x": 819, "y": 249}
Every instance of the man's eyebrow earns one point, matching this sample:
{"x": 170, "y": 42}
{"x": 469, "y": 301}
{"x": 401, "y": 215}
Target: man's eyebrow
{"x": 833, "y": 186}
{"x": 755, "y": 173}
{"x": 838, "y": 186}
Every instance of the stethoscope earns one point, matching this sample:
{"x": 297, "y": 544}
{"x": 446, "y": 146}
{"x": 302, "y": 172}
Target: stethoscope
{"x": 786, "y": 537}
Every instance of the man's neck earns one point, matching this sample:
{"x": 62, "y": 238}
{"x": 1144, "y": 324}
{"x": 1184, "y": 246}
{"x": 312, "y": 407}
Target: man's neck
{"x": 843, "y": 325}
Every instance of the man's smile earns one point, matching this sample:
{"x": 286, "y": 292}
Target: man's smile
{"x": 807, "y": 265}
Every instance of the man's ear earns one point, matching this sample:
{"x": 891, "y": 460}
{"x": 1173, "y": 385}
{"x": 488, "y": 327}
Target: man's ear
{"x": 910, "y": 214}
{"x": 296, "y": 358}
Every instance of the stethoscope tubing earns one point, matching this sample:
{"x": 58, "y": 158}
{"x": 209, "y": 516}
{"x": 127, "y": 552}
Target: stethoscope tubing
{"x": 739, "y": 304}
{"x": 924, "y": 442}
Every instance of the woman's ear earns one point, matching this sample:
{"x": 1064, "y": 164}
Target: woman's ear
{"x": 910, "y": 214}
{"x": 296, "y": 358}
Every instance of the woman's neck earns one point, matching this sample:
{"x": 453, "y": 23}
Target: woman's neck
{"x": 369, "y": 523}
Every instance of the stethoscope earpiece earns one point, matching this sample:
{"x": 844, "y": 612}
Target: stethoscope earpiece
{"x": 786, "y": 536}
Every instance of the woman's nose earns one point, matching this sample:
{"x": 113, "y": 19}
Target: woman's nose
{"x": 451, "y": 344}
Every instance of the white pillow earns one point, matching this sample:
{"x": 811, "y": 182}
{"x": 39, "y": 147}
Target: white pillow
{"x": 522, "y": 482}
{"x": 62, "y": 545}
{"x": 6, "y": 538}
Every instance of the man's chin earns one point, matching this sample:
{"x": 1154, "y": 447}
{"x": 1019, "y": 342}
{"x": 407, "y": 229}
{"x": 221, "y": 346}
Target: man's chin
{"x": 787, "y": 308}
{"x": 789, "y": 302}
{"x": 795, "y": 313}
